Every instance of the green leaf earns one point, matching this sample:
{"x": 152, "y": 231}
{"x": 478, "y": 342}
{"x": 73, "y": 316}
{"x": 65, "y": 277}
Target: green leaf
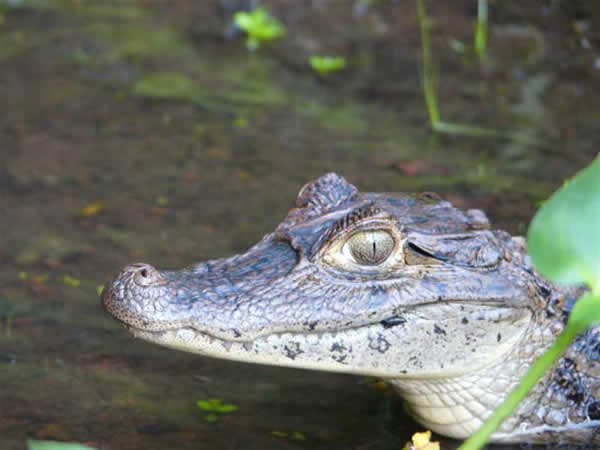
{"x": 325, "y": 65}
{"x": 280, "y": 434}
{"x": 226, "y": 408}
{"x": 216, "y": 405}
{"x": 298, "y": 436}
{"x": 243, "y": 20}
{"x": 564, "y": 236}
{"x": 208, "y": 405}
{"x": 54, "y": 445}
{"x": 259, "y": 25}
{"x": 584, "y": 314}
{"x": 564, "y": 245}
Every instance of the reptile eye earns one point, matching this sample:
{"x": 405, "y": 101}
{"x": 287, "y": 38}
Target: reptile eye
{"x": 371, "y": 247}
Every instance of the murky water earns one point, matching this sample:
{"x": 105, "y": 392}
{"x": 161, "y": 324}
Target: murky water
{"x": 95, "y": 172}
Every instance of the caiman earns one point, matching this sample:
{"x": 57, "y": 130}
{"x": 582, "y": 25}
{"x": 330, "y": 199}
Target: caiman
{"x": 402, "y": 287}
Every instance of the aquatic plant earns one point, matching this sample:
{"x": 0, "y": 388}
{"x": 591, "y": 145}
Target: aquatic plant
{"x": 55, "y": 445}
{"x": 324, "y": 65}
{"x": 481, "y": 30}
{"x": 260, "y": 27}
{"x": 430, "y": 85}
{"x": 215, "y": 406}
{"x": 564, "y": 246}
{"x": 429, "y": 80}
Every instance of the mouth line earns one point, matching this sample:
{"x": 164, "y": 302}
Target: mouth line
{"x": 394, "y": 319}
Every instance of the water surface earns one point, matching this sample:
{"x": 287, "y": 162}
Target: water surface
{"x": 96, "y": 172}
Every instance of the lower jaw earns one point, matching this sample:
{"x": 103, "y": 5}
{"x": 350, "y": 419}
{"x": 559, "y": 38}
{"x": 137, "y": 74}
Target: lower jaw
{"x": 325, "y": 351}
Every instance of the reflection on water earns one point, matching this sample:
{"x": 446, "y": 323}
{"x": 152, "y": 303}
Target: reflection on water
{"x": 145, "y": 130}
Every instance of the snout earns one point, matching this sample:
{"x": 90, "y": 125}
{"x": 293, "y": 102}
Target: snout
{"x": 240, "y": 297}
{"x": 133, "y": 293}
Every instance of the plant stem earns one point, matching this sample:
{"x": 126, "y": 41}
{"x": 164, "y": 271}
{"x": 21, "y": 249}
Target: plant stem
{"x": 584, "y": 314}
{"x": 481, "y": 30}
{"x": 429, "y": 87}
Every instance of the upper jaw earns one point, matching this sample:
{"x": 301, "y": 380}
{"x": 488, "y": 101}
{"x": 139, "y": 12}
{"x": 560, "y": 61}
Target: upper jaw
{"x": 271, "y": 289}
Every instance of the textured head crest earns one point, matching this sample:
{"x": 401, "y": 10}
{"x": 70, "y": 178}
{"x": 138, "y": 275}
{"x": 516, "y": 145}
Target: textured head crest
{"x": 319, "y": 196}
{"x": 325, "y": 193}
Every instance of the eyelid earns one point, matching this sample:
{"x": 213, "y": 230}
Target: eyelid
{"x": 333, "y": 238}
{"x": 354, "y": 220}
{"x": 365, "y": 217}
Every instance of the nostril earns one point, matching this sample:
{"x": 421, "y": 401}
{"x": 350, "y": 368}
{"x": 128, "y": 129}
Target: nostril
{"x": 145, "y": 274}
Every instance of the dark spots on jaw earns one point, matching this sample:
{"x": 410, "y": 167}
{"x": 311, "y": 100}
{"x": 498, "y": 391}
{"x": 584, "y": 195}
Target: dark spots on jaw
{"x": 340, "y": 352}
{"x": 236, "y": 333}
{"x": 379, "y": 343}
{"x": 438, "y": 330}
{"x": 464, "y": 321}
{"x": 415, "y": 362}
{"x": 393, "y": 321}
{"x": 499, "y": 337}
{"x": 593, "y": 410}
{"x": 339, "y": 358}
{"x": 337, "y": 347}
{"x": 292, "y": 350}
{"x": 311, "y": 325}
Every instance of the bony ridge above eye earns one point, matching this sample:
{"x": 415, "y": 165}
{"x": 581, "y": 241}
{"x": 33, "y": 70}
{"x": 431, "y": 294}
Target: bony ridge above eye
{"x": 369, "y": 247}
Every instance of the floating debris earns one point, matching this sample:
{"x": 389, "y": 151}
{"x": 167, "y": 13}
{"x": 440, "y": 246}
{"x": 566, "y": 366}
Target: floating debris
{"x": 92, "y": 209}
{"x": 422, "y": 441}
{"x": 70, "y": 281}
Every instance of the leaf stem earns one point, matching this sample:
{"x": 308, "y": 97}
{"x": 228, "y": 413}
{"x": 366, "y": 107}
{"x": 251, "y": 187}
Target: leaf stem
{"x": 481, "y": 30}
{"x": 429, "y": 87}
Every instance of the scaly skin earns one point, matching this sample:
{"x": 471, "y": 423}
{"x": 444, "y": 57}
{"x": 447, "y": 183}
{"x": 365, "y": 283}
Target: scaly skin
{"x": 404, "y": 287}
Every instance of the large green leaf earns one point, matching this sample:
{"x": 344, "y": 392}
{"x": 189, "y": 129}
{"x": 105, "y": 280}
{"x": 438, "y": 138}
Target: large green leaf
{"x": 564, "y": 236}
{"x": 54, "y": 445}
{"x": 564, "y": 243}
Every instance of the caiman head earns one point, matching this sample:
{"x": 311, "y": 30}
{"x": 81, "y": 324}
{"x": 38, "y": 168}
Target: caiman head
{"x": 397, "y": 286}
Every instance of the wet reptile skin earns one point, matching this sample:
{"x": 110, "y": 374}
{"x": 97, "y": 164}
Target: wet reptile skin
{"x": 447, "y": 310}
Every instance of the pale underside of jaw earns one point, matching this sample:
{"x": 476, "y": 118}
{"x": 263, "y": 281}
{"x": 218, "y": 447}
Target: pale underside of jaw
{"x": 451, "y": 403}
{"x": 397, "y": 354}
{"x": 420, "y": 349}
{"x": 323, "y": 351}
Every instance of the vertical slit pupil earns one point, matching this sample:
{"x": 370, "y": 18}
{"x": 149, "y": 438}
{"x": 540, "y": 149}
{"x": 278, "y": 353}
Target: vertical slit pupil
{"x": 374, "y": 248}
